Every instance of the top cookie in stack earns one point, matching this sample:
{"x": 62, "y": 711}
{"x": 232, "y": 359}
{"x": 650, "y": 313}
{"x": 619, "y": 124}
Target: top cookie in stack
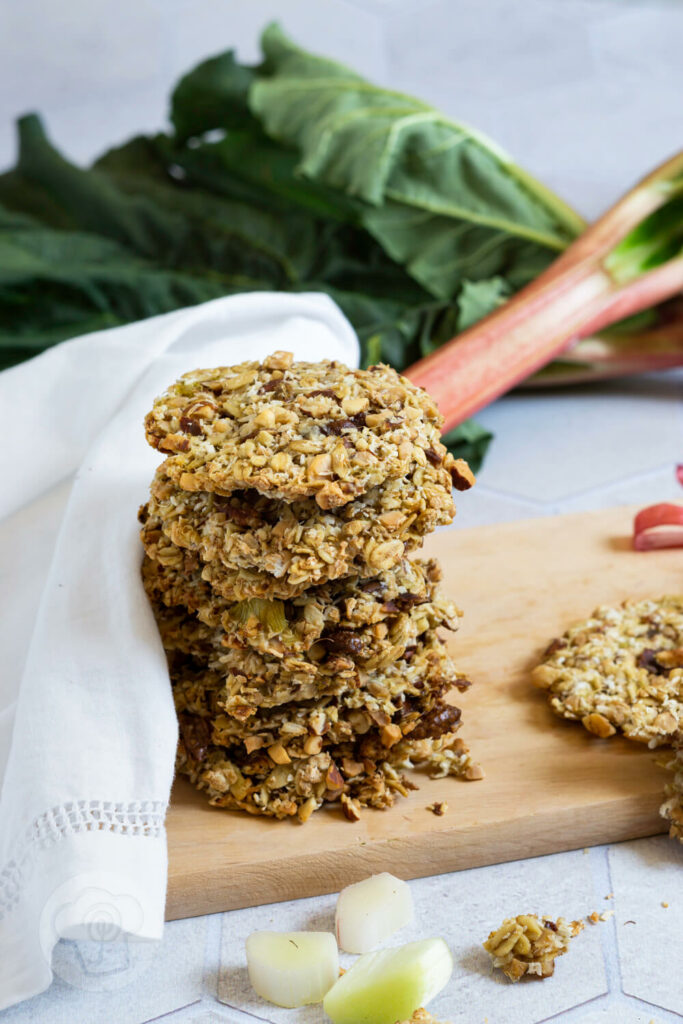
{"x": 291, "y": 475}
{"x": 282, "y": 478}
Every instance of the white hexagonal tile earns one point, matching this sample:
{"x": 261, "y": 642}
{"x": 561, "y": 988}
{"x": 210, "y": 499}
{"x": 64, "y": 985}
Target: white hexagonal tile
{"x": 645, "y": 875}
{"x": 202, "y": 1016}
{"x": 621, "y": 1011}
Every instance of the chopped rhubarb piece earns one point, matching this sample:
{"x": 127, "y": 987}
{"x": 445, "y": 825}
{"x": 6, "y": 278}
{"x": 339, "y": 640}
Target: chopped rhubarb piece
{"x": 658, "y": 526}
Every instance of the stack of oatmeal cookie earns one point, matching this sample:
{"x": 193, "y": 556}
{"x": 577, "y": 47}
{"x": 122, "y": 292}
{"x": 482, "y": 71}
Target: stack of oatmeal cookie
{"x": 303, "y": 644}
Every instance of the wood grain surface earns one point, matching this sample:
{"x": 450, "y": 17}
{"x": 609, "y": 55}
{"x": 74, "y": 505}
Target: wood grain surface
{"x": 549, "y": 785}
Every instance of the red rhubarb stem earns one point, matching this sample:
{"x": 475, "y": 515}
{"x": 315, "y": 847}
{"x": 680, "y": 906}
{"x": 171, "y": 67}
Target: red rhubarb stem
{"x": 606, "y": 357}
{"x": 573, "y": 298}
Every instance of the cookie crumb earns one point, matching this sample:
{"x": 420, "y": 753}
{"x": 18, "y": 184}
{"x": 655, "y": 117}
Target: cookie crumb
{"x": 420, "y": 1017}
{"x": 594, "y": 917}
{"x": 665, "y": 905}
{"x": 530, "y": 945}
{"x": 439, "y": 808}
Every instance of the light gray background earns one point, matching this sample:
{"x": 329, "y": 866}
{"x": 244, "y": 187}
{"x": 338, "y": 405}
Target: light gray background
{"x": 587, "y": 95}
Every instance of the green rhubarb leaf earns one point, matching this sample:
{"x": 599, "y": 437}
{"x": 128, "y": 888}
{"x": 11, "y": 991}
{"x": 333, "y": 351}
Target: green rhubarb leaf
{"x": 212, "y": 96}
{"x": 57, "y": 284}
{"x": 213, "y": 233}
{"x": 442, "y": 200}
{"x": 479, "y": 298}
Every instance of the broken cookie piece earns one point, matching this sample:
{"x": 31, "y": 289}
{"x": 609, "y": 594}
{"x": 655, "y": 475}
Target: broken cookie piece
{"x": 529, "y": 945}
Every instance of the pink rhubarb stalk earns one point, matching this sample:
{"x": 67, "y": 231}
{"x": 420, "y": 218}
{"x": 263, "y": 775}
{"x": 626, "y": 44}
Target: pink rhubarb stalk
{"x": 574, "y": 298}
{"x": 658, "y": 526}
{"x": 606, "y": 357}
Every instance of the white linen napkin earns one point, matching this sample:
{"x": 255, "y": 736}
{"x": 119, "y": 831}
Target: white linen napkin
{"x": 87, "y": 726}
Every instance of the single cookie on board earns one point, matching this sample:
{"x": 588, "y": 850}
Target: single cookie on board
{"x": 274, "y": 548}
{"x": 296, "y": 430}
{"x": 530, "y": 945}
{"x": 672, "y": 808}
{"x": 620, "y": 670}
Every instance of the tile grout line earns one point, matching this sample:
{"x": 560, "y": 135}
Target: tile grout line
{"x": 609, "y": 941}
{"x": 660, "y": 1015}
{"x": 211, "y": 966}
{"x": 599, "y": 873}
{"x": 576, "y": 1013}
{"x": 246, "y": 1014}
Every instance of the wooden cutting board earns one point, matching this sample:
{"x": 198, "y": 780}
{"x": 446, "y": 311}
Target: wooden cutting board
{"x": 549, "y": 785}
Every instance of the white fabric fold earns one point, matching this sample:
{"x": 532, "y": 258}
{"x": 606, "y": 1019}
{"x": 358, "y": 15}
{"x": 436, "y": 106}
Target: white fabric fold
{"x": 84, "y": 695}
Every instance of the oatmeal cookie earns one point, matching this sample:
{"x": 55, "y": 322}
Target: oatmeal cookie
{"x": 292, "y": 731}
{"x": 622, "y": 669}
{"x": 248, "y": 680}
{"x": 248, "y": 704}
{"x": 390, "y": 610}
{"x": 528, "y": 945}
{"x": 296, "y": 430}
{"x": 672, "y": 808}
{"x": 256, "y": 784}
{"x": 276, "y": 549}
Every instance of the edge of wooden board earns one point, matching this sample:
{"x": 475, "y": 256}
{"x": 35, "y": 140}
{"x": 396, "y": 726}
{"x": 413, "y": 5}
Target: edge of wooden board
{"x": 323, "y": 871}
